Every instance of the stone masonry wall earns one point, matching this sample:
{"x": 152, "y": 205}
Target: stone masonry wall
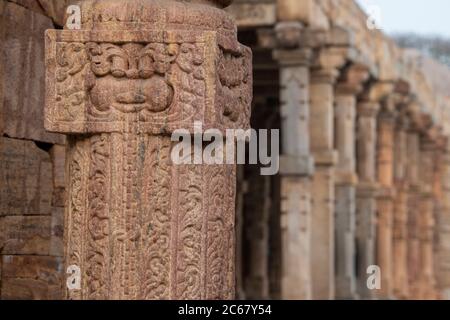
{"x": 31, "y": 160}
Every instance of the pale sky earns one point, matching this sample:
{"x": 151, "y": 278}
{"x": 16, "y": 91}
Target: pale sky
{"x": 419, "y": 16}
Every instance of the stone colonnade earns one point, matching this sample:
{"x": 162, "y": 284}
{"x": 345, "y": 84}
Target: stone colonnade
{"x": 363, "y": 167}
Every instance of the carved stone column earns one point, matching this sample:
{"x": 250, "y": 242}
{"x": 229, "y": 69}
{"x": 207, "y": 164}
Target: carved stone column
{"x": 296, "y": 168}
{"x": 346, "y": 180}
{"x": 385, "y": 199}
{"x": 400, "y": 240}
{"x": 138, "y": 226}
{"x": 366, "y": 193}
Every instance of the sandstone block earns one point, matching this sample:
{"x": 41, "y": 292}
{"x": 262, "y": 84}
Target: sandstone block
{"x": 57, "y": 233}
{"x": 25, "y": 235}
{"x": 26, "y": 176}
{"x": 23, "y": 74}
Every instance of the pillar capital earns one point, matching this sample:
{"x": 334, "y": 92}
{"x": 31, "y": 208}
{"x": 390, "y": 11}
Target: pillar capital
{"x": 84, "y": 68}
{"x": 377, "y": 91}
{"x": 325, "y": 76}
{"x": 296, "y": 57}
{"x": 332, "y": 58}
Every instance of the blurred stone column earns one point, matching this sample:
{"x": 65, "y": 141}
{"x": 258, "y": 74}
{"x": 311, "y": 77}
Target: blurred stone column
{"x": 366, "y": 193}
{"x": 385, "y": 198}
{"x": 413, "y": 151}
{"x": 346, "y": 179}
{"x": 139, "y": 226}
{"x": 426, "y": 220}
{"x": 443, "y": 225}
{"x": 296, "y": 165}
{"x": 439, "y": 211}
{"x": 400, "y": 232}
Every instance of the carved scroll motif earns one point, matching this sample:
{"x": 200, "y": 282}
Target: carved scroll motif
{"x": 76, "y": 213}
{"x": 97, "y": 268}
{"x": 157, "y": 221}
{"x": 190, "y": 247}
{"x": 235, "y": 86}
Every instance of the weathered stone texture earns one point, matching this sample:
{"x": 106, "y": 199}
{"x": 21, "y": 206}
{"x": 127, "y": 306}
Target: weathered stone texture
{"x": 31, "y": 277}
{"x": 25, "y": 235}
{"x": 26, "y": 175}
{"x": 54, "y": 9}
{"x": 23, "y": 74}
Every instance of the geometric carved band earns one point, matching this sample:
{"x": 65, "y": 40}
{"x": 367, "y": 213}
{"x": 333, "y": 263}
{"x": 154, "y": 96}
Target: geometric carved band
{"x": 151, "y": 81}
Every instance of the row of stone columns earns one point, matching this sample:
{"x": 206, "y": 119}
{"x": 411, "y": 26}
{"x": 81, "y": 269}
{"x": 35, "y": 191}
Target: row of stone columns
{"x": 373, "y": 187}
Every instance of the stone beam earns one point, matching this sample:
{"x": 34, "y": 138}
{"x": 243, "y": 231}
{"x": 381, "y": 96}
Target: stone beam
{"x": 305, "y": 11}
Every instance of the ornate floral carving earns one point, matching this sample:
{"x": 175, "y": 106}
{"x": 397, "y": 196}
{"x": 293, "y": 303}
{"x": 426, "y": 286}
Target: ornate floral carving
{"x": 162, "y": 79}
{"x": 157, "y": 220}
{"x": 75, "y": 212}
{"x": 98, "y": 218}
{"x": 234, "y": 86}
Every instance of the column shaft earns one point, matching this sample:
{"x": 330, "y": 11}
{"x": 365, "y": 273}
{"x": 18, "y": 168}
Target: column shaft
{"x": 346, "y": 179}
{"x": 366, "y": 193}
{"x": 385, "y": 202}
{"x": 323, "y": 184}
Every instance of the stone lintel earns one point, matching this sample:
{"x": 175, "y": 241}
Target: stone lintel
{"x": 253, "y": 14}
{"x": 296, "y": 166}
{"x": 307, "y": 11}
{"x": 294, "y": 34}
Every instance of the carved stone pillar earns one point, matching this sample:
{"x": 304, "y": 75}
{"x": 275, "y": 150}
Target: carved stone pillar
{"x": 346, "y": 180}
{"x": 385, "y": 199}
{"x": 323, "y": 184}
{"x": 138, "y": 226}
{"x": 400, "y": 240}
{"x": 366, "y": 193}
{"x": 296, "y": 169}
